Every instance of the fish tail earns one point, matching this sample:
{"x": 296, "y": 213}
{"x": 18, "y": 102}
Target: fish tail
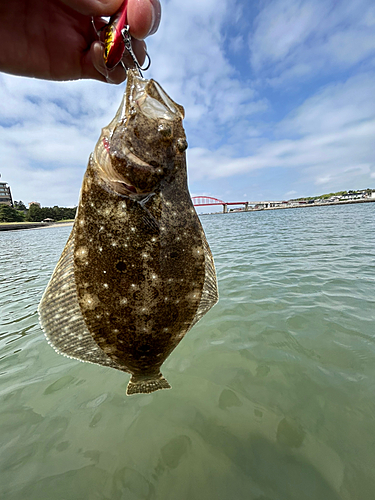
{"x": 145, "y": 385}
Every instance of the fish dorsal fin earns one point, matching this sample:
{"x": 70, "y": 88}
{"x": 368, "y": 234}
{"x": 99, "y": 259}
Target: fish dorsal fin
{"x": 210, "y": 294}
{"x": 61, "y": 318}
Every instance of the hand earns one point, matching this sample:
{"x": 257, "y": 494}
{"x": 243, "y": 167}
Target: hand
{"x": 55, "y": 39}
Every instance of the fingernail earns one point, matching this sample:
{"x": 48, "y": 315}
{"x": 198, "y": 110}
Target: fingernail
{"x": 156, "y": 15}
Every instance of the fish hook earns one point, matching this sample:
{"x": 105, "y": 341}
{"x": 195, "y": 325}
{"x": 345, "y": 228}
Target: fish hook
{"x": 128, "y": 46}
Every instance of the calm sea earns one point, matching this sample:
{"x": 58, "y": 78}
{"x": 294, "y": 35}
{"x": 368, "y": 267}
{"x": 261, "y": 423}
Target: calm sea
{"x": 273, "y": 391}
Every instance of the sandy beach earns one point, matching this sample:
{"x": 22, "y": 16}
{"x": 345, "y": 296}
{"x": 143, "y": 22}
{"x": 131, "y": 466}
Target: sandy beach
{"x": 16, "y": 226}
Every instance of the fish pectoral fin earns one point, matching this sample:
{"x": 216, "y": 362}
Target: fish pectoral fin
{"x": 145, "y": 385}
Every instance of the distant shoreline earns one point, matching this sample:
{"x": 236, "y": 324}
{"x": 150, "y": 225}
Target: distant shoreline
{"x": 17, "y": 226}
{"x": 327, "y": 203}
{"x": 304, "y": 205}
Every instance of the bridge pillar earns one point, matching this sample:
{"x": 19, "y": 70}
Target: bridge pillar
{"x": 225, "y": 208}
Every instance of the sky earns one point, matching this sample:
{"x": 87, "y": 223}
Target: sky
{"x": 279, "y": 100}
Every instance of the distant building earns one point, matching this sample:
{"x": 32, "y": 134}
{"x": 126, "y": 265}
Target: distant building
{"x": 5, "y": 194}
{"x": 34, "y": 203}
{"x": 353, "y": 195}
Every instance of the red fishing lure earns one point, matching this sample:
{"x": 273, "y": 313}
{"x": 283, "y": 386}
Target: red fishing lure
{"x": 113, "y": 37}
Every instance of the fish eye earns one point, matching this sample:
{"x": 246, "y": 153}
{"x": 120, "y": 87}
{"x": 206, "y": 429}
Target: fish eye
{"x": 165, "y": 130}
{"x": 182, "y": 145}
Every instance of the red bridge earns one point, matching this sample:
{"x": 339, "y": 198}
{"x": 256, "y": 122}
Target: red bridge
{"x": 205, "y": 201}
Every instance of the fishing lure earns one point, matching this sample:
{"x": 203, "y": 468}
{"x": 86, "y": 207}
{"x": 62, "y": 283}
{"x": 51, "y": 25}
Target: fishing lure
{"x": 116, "y": 38}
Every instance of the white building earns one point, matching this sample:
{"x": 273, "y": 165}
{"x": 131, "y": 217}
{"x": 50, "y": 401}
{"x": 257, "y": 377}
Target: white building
{"x": 5, "y": 194}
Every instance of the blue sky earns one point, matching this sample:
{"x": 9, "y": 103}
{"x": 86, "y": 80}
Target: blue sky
{"x": 279, "y": 99}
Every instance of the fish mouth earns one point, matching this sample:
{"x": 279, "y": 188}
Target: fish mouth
{"x": 119, "y": 169}
{"x": 129, "y": 187}
{"x": 144, "y": 172}
{"x": 126, "y": 189}
{"x": 150, "y": 98}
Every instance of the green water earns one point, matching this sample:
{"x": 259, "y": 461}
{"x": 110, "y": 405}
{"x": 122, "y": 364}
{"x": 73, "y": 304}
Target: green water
{"x": 273, "y": 391}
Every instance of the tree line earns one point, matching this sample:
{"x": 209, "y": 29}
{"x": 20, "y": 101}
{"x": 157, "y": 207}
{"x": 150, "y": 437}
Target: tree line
{"x": 339, "y": 193}
{"x": 19, "y": 213}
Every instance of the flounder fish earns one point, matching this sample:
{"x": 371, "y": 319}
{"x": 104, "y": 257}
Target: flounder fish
{"x": 137, "y": 272}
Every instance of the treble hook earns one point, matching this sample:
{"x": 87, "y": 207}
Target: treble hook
{"x": 128, "y": 46}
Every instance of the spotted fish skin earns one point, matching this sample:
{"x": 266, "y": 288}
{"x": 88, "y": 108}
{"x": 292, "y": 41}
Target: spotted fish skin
{"x": 137, "y": 272}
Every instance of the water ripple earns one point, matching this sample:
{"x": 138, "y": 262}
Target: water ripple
{"x": 272, "y": 391}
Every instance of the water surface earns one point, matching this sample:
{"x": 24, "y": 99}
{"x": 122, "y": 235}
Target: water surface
{"x": 273, "y": 390}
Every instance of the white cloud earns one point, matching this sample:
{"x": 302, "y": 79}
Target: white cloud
{"x": 329, "y": 139}
{"x": 236, "y": 43}
{"x": 281, "y": 27}
{"x": 190, "y": 60}
{"x": 335, "y": 107}
{"x": 299, "y": 38}
{"x": 48, "y": 130}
